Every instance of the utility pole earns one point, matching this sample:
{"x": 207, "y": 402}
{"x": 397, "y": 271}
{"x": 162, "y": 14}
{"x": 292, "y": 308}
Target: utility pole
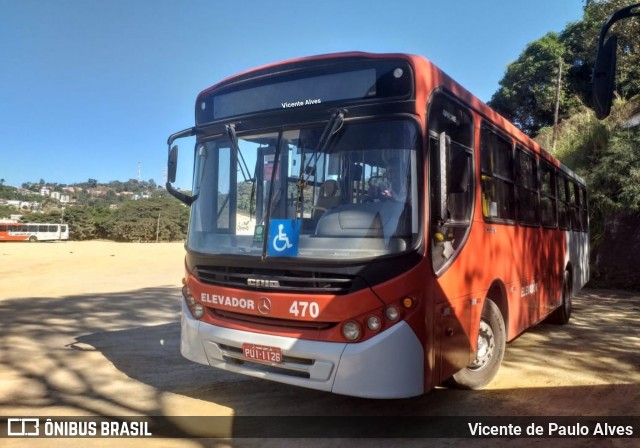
{"x": 557, "y": 105}
{"x": 158, "y": 229}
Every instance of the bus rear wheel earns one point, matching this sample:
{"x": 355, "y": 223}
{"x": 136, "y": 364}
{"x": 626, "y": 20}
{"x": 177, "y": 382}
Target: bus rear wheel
{"x": 33, "y": 239}
{"x": 562, "y": 314}
{"x": 492, "y": 338}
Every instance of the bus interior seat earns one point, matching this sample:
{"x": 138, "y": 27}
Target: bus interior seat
{"x": 363, "y": 220}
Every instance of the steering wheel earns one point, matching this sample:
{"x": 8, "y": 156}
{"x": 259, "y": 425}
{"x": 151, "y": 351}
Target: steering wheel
{"x": 377, "y": 196}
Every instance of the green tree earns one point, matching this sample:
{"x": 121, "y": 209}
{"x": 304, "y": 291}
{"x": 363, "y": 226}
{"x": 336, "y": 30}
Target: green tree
{"x": 141, "y": 220}
{"x": 527, "y": 91}
{"x": 615, "y": 178}
{"x": 580, "y": 39}
{"x": 6, "y": 211}
{"x": 84, "y": 222}
{"x": 9, "y": 192}
{"x": 51, "y": 216}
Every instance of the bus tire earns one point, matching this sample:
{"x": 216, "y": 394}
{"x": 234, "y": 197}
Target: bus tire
{"x": 33, "y": 239}
{"x": 562, "y": 314}
{"x": 492, "y": 339}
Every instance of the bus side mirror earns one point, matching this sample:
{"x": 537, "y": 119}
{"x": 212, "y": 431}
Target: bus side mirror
{"x": 604, "y": 72}
{"x": 172, "y": 167}
{"x": 604, "y": 75}
{"x": 172, "y": 164}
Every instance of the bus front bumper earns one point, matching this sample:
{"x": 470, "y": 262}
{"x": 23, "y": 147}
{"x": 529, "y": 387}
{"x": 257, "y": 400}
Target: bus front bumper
{"x": 389, "y": 365}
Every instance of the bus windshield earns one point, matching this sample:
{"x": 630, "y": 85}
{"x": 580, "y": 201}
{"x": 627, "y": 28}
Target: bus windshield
{"x": 354, "y": 197}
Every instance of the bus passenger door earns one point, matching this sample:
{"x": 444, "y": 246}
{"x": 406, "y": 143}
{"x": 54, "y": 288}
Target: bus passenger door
{"x": 452, "y": 181}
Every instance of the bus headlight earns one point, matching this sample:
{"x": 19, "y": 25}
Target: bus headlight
{"x": 373, "y": 323}
{"x": 351, "y": 330}
{"x": 392, "y": 313}
{"x": 197, "y": 310}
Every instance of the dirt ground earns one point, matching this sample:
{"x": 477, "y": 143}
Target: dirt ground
{"x": 92, "y": 328}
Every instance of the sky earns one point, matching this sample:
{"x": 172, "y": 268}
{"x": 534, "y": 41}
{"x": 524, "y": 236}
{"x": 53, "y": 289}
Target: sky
{"x": 93, "y": 88}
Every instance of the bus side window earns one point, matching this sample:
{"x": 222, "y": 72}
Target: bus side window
{"x": 450, "y": 127}
{"x": 496, "y": 154}
{"x": 527, "y": 205}
{"x": 576, "y": 215}
{"x": 584, "y": 210}
{"x": 489, "y": 204}
{"x": 548, "y": 194}
{"x": 564, "y": 210}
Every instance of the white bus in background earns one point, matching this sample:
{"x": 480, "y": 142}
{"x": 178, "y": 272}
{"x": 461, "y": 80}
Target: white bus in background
{"x": 33, "y": 232}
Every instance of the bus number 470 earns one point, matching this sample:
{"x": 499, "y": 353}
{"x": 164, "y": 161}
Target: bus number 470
{"x": 300, "y": 309}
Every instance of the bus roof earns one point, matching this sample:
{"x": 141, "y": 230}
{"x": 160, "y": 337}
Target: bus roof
{"x": 429, "y": 78}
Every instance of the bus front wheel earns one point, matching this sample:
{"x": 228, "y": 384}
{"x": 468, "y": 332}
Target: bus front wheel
{"x": 33, "y": 239}
{"x": 492, "y": 338}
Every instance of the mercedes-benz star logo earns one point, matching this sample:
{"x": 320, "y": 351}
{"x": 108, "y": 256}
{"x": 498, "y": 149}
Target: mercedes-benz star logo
{"x": 264, "y": 305}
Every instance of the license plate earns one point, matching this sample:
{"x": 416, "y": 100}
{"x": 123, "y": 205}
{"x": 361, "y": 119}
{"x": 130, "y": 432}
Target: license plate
{"x": 262, "y": 353}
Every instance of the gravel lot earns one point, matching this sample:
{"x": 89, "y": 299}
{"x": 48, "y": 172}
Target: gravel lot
{"x": 92, "y": 328}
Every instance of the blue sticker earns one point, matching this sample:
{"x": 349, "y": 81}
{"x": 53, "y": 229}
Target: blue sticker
{"x": 283, "y": 238}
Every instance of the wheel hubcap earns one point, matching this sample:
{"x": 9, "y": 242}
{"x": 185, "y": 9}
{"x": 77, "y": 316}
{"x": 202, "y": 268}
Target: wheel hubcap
{"x": 486, "y": 345}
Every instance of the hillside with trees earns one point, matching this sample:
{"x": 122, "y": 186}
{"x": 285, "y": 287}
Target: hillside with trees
{"x": 605, "y": 153}
{"x": 120, "y": 211}
{"x": 527, "y": 91}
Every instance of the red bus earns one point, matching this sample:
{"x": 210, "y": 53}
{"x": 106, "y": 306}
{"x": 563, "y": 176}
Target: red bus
{"x": 361, "y": 224}
{"x": 33, "y": 232}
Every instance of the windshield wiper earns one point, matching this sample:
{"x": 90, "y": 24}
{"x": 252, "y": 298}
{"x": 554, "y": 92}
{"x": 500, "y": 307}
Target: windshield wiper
{"x": 332, "y": 127}
{"x": 244, "y": 169}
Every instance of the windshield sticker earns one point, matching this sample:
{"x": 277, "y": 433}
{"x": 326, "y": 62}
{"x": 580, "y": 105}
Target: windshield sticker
{"x": 283, "y": 238}
{"x": 258, "y": 234}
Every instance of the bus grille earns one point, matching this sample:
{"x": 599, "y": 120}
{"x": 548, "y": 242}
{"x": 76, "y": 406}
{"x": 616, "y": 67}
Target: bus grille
{"x": 263, "y": 320}
{"x": 289, "y": 281}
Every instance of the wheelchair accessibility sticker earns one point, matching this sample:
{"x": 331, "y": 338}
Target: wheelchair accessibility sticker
{"x": 283, "y": 238}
